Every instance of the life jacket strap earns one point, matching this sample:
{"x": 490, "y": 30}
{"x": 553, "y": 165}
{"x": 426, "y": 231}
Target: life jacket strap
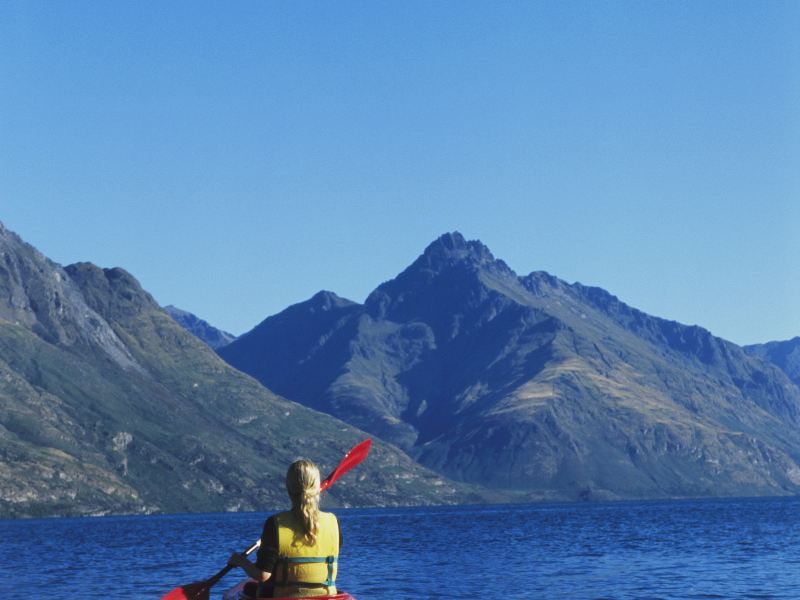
{"x": 329, "y": 560}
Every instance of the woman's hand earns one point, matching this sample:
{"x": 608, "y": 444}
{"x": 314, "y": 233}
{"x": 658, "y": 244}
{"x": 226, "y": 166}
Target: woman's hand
{"x": 241, "y": 561}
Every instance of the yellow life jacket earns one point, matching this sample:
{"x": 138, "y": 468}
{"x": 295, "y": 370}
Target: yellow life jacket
{"x": 305, "y": 569}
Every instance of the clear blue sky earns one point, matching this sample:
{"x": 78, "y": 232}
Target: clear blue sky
{"x": 238, "y": 157}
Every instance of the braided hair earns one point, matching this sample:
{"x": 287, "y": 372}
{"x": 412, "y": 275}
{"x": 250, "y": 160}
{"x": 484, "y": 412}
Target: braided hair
{"x": 302, "y": 483}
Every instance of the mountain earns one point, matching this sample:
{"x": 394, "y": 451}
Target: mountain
{"x": 107, "y": 405}
{"x": 786, "y": 355}
{"x": 533, "y": 384}
{"x": 205, "y": 332}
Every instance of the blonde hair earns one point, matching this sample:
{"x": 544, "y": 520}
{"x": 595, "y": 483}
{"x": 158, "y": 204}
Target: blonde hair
{"x": 302, "y": 483}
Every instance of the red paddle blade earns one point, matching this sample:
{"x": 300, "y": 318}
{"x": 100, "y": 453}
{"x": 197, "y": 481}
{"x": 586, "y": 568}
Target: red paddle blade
{"x": 357, "y": 454}
{"x": 192, "y": 591}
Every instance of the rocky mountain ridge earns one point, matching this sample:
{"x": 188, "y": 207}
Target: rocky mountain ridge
{"x": 203, "y": 330}
{"x": 107, "y": 405}
{"x": 784, "y": 354}
{"x": 530, "y": 383}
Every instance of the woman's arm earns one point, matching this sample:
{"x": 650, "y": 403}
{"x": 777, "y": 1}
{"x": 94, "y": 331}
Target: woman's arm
{"x": 241, "y": 561}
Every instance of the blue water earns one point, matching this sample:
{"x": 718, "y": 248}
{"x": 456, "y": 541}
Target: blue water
{"x": 671, "y": 550}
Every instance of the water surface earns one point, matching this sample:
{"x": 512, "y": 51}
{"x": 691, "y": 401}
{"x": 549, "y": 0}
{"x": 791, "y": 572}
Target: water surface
{"x": 672, "y": 550}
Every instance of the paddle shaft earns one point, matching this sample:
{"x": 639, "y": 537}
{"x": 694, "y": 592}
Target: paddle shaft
{"x": 211, "y": 582}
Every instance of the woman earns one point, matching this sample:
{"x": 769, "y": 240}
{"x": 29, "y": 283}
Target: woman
{"x": 300, "y": 547}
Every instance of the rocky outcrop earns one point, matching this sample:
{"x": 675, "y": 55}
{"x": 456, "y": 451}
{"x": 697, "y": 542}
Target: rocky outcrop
{"x": 37, "y": 294}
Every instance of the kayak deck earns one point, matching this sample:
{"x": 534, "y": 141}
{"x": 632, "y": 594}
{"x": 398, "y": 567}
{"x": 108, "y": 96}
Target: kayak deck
{"x": 237, "y": 593}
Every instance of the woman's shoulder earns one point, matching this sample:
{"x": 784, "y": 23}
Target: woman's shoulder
{"x": 280, "y": 517}
{"x": 275, "y": 518}
{"x": 329, "y": 516}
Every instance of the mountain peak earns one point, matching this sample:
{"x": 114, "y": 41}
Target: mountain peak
{"x": 450, "y": 270}
{"x": 14, "y": 242}
{"x": 452, "y": 239}
{"x": 453, "y": 247}
{"x": 325, "y": 300}
{"x": 111, "y": 292}
{"x": 174, "y": 311}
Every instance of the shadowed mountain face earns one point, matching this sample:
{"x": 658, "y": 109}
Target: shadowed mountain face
{"x": 107, "y": 405}
{"x": 205, "y": 332}
{"x": 530, "y": 383}
{"x": 785, "y": 355}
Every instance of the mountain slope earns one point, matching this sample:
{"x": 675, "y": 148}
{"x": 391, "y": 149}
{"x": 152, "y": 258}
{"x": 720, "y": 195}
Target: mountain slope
{"x": 533, "y": 384}
{"x": 785, "y": 355}
{"x": 203, "y": 330}
{"x": 108, "y": 405}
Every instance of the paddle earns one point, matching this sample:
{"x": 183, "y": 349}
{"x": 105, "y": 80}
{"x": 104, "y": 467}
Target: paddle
{"x": 200, "y": 590}
{"x": 351, "y": 459}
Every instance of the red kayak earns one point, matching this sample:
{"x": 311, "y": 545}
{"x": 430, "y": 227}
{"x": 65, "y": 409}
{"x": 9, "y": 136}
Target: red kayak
{"x": 238, "y": 593}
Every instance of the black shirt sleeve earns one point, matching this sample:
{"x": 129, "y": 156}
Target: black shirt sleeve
{"x": 267, "y": 556}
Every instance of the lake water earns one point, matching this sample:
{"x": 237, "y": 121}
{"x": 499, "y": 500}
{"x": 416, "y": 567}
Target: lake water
{"x": 672, "y": 550}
